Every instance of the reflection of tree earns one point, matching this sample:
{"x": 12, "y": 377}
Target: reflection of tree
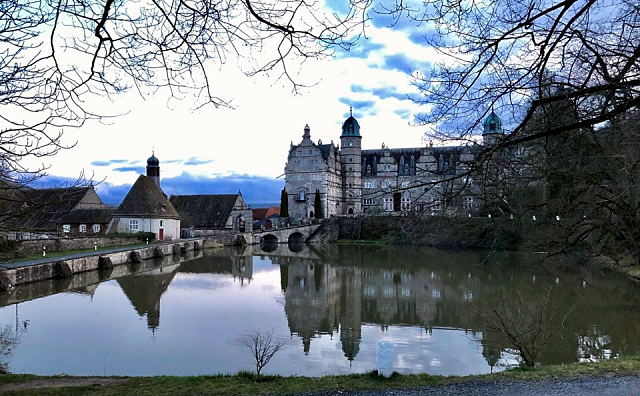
{"x": 9, "y": 338}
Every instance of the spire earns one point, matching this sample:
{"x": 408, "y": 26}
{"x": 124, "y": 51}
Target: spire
{"x": 350, "y": 111}
{"x": 307, "y": 132}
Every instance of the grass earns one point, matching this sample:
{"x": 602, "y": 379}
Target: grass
{"x": 76, "y": 251}
{"x": 246, "y": 383}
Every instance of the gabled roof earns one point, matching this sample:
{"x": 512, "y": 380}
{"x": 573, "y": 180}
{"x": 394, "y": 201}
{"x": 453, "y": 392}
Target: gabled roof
{"x": 263, "y": 213}
{"x": 204, "y": 211}
{"x": 41, "y": 209}
{"x": 89, "y": 216}
{"x": 146, "y": 199}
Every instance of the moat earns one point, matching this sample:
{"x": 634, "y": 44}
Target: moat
{"x": 331, "y": 304}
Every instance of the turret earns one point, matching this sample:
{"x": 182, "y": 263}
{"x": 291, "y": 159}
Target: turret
{"x": 153, "y": 169}
{"x": 351, "y": 161}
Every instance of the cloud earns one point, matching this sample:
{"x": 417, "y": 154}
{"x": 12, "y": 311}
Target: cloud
{"x": 195, "y": 161}
{"x": 109, "y": 162}
{"x": 255, "y": 189}
{"x": 136, "y": 169}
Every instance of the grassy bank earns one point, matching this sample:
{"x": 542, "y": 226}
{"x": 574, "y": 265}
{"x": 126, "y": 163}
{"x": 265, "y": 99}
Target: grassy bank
{"x": 246, "y": 384}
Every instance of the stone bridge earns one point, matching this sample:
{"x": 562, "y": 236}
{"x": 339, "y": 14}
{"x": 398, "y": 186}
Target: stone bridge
{"x": 298, "y": 234}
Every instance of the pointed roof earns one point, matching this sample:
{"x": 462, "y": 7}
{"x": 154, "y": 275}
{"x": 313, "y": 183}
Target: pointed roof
{"x": 146, "y": 199}
{"x": 492, "y": 124}
{"x": 204, "y": 211}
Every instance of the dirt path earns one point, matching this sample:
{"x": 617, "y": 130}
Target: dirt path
{"x": 61, "y": 382}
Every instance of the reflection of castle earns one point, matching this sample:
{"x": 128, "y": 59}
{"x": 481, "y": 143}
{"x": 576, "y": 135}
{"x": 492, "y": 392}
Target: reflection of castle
{"x": 320, "y": 298}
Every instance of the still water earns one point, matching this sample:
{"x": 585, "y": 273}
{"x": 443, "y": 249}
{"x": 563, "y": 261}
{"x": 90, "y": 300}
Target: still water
{"x": 330, "y": 304}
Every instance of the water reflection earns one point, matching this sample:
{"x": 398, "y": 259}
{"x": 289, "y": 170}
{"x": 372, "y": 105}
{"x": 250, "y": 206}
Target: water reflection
{"x": 335, "y": 301}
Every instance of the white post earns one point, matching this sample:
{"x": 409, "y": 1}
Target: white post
{"x": 44, "y": 251}
{"x": 384, "y": 358}
{"x": 95, "y": 245}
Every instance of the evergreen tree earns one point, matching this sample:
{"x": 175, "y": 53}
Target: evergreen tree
{"x": 317, "y": 206}
{"x": 284, "y": 204}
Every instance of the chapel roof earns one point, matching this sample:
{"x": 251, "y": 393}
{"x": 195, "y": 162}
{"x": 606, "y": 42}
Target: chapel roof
{"x": 146, "y": 199}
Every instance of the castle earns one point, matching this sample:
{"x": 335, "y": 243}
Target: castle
{"x": 353, "y": 181}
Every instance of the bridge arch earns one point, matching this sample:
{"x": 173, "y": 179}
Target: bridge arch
{"x": 269, "y": 243}
{"x": 296, "y": 237}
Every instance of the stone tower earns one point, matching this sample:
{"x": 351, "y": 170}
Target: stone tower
{"x": 351, "y": 162}
{"x": 153, "y": 169}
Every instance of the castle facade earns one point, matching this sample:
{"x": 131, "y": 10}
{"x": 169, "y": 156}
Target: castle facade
{"x": 353, "y": 181}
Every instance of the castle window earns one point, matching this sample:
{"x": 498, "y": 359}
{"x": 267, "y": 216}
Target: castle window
{"x": 374, "y": 171}
{"x": 413, "y": 165}
{"x": 401, "y": 168}
{"x": 468, "y": 202}
{"x": 388, "y": 204}
{"x": 368, "y": 201}
{"x": 350, "y": 159}
{"x": 301, "y": 195}
{"x": 369, "y": 184}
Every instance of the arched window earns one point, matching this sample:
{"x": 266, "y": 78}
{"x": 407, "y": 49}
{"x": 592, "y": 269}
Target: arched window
{"x": 301, "y": 195}
{"x": 350, "y": 211}
{"x": 401, "y": 167}
{"x": 374, "y": 171}
{"x": 241, "y": 223}
{"x": 413, "y": 165}
{"x": 365, "y": 168}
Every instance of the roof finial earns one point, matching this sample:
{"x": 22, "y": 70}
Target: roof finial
{"x": 351, "y": 111}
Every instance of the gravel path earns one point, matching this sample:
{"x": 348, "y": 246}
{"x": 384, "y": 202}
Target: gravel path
{"x": 584, "y": 386}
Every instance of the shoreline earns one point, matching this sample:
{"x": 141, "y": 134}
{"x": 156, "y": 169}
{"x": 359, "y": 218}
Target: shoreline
{"x": 246, "y": 383}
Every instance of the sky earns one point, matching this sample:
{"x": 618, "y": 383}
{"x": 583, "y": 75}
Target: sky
{"x": 223, "y": 151}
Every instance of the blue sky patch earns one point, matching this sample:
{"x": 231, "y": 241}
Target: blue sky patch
{"x": 109, "y": 162}
{"x": 136, "y": 169}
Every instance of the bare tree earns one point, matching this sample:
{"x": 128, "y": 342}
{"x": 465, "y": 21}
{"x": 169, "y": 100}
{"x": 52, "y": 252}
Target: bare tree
{"x": 528, "y": 325}
{"x": 500, "y": 55}
{"x": 263, "y": 347}
{"x": 61, "y": 60}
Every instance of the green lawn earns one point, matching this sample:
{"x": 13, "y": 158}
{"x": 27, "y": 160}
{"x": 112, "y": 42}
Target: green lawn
{"x": 247, "y": 384}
